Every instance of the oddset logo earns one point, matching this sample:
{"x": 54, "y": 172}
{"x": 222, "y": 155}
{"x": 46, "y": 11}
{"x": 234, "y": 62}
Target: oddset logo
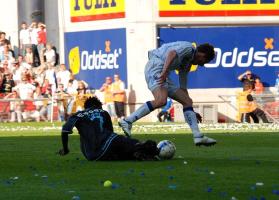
{"x": 94, "y": 60}
{"x": 247, "y": 58}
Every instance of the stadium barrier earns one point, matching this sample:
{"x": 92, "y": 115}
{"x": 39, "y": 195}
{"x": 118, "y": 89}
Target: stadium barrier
{"x": 57, "y": 109}
{"x": 208, "y": 111}
{"x": 268, "y": 102}
{"x": 40, "y": 109}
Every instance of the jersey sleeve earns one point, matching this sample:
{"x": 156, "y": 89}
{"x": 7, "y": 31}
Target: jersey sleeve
{"x": 108, "y": 122}
{"x": 69, "y": 125}
{"x": 183, "y": 49}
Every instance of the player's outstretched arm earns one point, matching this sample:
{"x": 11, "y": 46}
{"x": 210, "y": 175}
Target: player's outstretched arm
{"x": 67, "y": 129}
{"x": 65, "y": 150}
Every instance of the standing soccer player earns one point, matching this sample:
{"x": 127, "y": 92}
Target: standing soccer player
{"x": 97, "y": 139}
{"x": 169, "y": 57}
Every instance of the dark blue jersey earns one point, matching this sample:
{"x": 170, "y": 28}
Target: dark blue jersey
{"x": 95, "y": 129}
{"x": 99, "y": 142}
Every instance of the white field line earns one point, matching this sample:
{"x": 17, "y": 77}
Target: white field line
{"x": 155, "y": 128}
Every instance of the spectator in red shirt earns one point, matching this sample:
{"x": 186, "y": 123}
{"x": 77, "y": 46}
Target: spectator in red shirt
{"x": 41, "y": 41}
{"x": 259, "y": 88}
{"x": 45, "y": 87}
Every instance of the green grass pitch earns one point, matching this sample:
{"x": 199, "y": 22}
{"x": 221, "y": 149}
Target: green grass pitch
{"x": 243, "y": 165}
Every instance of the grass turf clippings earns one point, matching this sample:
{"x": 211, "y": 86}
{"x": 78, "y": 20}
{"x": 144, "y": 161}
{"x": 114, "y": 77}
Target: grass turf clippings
{"x": 243, "y": 165}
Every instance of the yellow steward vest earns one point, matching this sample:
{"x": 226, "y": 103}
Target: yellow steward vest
{"x": 116, "y": 86}
{"x": 108, "y": 97}
{"x": 243, "y": 103}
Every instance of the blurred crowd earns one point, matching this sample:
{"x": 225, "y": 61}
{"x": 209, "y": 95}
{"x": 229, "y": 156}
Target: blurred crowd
{"x": 34, "y": 86}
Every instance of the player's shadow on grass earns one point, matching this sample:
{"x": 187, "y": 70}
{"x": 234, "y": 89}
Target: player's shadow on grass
{"x": 131, "y": 99}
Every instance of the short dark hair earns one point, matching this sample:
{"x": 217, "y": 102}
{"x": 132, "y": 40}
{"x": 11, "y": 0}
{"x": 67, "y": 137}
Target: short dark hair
{"x": 208, "y": 49}
{"x": 93, "y": 102}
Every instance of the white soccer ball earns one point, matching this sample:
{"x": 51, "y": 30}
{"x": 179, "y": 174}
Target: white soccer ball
{"x": 166, "y": 149}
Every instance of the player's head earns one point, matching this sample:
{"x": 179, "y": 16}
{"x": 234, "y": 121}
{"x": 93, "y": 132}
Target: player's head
{"x": 205, "y": 53}
{"x": 146, "y": 150}
{"x": 93, "y": 102}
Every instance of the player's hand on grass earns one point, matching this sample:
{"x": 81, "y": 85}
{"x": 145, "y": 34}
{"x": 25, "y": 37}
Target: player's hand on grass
{"x": 199, "y": 117}
{"x": 63, "y": 152}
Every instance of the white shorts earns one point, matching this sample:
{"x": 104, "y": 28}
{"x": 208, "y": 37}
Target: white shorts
{"x": 153, "y": 70}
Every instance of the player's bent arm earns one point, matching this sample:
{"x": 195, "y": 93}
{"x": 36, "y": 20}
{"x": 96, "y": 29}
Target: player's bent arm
{"x": 64, "y": 137}
{"x": 170, "y": 57}
{"x": 65, "y": 150}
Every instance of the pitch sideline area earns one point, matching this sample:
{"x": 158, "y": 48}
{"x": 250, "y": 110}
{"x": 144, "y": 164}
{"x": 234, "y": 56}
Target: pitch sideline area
{"x": 46, "y": 128}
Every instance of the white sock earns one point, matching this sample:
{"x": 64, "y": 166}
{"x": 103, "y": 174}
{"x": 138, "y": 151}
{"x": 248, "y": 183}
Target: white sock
{"x": 142, "y": 111}
{"x": 191, "y": 119}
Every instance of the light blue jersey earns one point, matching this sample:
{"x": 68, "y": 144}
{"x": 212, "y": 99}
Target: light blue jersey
{"x": 184, "y": 50}
{"x": 182, "y": 62}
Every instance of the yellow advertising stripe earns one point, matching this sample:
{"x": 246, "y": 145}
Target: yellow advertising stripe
{"x": 88, "y": 7}
{"x": 192, "y": 5}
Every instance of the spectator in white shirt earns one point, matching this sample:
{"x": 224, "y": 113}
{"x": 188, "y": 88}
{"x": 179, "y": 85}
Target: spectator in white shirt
{"x": 50, "y": 54}
{"x": 17, "y": 72}
{"x": 51, "y": 76}
{"x": 6, "y": 53}
{"x": 15, "y": 107}
{"x": 25, "y": 89}
{"x": 74, "y": 81}
{"x": 40, "y": 74}
{"x": 4, "y": 41}
{"x": 34, "y": 42}
{"x": 24, "y": 38}
{"x": 29, "y": 56}
{"x": 22, "y": 64}
{"x": 63, "y": 76}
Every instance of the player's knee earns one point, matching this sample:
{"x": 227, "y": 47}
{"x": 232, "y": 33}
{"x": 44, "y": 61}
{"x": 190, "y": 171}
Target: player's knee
{"x": 188, "y": 103}
{"x": 160, "y": 102}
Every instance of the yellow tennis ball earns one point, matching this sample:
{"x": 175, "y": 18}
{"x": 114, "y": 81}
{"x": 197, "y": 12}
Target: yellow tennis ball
{"x": 107, "y": 183}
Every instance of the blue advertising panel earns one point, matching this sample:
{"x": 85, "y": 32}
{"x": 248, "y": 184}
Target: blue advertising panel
{"x": 238, "y": 49}
{"x": 94, "y": 55}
